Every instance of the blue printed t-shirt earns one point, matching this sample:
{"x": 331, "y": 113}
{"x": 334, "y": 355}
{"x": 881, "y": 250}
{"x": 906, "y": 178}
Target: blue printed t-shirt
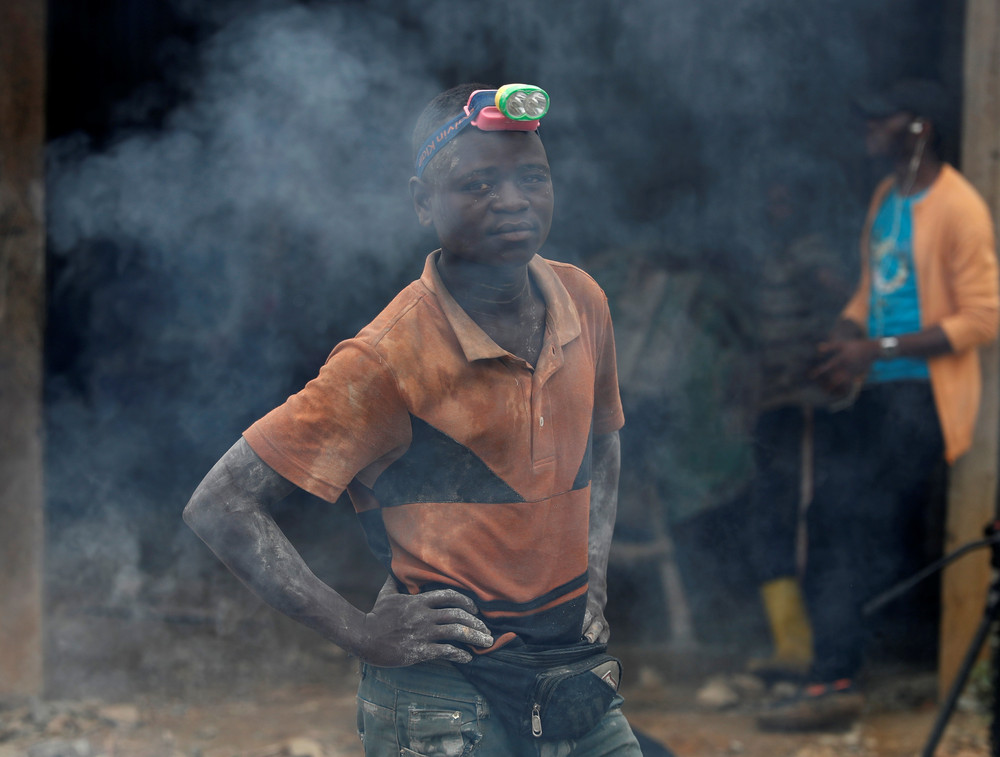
{"x": 894, "y": 306}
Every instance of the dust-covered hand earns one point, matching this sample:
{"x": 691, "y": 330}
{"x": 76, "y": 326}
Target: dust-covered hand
{"x": 404, "y": 629}
{"x": 595, "y": 625}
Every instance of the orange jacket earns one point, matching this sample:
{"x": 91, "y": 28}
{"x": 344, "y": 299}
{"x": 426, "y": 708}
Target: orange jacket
{"x": 955, "y": 259}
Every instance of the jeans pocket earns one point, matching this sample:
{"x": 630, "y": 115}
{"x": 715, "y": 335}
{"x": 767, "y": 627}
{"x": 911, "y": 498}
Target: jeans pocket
{"x": 440, "y": 732}
{"x": 376, "y": 726}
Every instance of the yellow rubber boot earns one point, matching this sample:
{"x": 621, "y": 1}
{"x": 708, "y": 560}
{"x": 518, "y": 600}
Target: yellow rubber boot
{"x": 791, "y": 631}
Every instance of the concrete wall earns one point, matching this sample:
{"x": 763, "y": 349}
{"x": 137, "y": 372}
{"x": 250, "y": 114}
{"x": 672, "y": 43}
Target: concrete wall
{"x": 973, "y": 489}
{"x": 22, "y": 266}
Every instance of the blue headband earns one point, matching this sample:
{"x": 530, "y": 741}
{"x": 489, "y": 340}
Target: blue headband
{"x": 512, "y": 107}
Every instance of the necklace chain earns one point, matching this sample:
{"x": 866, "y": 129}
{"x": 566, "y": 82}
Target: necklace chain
{"x": 891, "y": 241}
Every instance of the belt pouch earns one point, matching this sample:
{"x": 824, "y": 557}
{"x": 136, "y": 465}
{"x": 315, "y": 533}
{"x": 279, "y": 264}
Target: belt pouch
{"x": 547, "y": 693}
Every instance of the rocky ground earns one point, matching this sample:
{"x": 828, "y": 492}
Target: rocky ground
{"x": 163, "y": 680}
{"x": 711, "y": 717}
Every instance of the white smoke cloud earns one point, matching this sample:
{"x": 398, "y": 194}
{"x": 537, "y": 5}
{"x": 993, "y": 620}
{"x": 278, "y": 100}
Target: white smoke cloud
{"x": 205, "y": 266}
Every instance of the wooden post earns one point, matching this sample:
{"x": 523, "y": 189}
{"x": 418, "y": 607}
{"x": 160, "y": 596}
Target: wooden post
{"x": 973, "y": 486}
{"x": 22, "y": 313}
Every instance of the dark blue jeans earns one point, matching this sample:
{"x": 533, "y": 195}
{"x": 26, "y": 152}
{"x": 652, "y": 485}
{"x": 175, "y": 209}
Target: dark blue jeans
{"x": 431, "y": 710}
{"x": 875, "y": 463}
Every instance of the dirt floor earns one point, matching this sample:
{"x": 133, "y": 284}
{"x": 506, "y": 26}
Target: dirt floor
{"x": 162, "y": 679}
{"x": 317, "y": 721}
{"x": 314, "y": 721}
{"x": 247, "y": 714}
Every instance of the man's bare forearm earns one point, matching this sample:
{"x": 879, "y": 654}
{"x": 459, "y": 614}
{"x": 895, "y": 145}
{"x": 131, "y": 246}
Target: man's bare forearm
{"x": 603, "y": 500}
{"x": 603, "y": 511}
{"x": 928, "y": 342}
{"x": 229, "y": 512}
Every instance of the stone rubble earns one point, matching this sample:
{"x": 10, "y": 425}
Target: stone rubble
{"x": 92, "y": 729}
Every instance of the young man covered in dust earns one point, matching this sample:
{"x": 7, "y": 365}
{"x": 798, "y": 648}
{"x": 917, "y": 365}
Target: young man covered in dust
{"x": 474, "y": 424}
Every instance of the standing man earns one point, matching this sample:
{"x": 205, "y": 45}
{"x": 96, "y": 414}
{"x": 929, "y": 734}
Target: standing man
{"x": 803, "y": 287}
{"x": 908, "y": 339}
{"x": 474, "y": 424}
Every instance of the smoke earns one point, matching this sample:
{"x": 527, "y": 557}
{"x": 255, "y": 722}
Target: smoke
{"x": 202, "y": 268}
{"x": 294, "y": 123}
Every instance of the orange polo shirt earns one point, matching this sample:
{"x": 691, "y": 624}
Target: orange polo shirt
{"x": 954, "y": 255}
{"x": 468, "y": 467}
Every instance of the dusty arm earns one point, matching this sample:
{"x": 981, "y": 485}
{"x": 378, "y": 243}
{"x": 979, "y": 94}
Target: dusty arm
{"x": 603, "y": 509}
{"x": 229, "y": 511}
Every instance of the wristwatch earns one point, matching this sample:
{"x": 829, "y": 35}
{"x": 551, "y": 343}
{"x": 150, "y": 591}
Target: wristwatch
{"x": 888, "y": 348}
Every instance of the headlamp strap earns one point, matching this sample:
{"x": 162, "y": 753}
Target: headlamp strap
{"x": 481, "y": 112}
{"x": 439, "y": 139}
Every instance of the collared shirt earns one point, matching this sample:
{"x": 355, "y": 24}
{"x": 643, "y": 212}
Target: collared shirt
{"x": 468, "y": 467}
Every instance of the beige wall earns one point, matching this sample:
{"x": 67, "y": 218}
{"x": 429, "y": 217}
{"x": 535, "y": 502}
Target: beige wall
{"x": 22, "y": 80}
{"x": 972, "y": 495}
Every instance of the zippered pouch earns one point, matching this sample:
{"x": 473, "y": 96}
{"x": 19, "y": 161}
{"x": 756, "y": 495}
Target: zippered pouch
{"x": 547, "y": 693}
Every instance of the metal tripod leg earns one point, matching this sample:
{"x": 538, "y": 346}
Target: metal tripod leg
{"x": 989, "y": 616}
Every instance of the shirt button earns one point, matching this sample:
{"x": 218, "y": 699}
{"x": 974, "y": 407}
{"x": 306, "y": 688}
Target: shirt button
{"x": 541, "y": 420}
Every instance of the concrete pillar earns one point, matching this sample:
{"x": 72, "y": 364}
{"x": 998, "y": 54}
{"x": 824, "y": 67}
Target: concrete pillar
{"x": 22, "y": 313}
{"x": 973, "y": 487}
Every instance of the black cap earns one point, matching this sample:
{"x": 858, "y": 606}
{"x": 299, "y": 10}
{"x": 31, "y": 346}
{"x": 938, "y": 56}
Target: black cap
{"x": 922, "y": 98}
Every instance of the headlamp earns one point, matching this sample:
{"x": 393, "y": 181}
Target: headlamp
{"x": 522, "y": 102}
{"x": 512, "y": 107}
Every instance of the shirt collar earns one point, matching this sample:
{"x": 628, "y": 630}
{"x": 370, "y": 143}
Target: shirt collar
{"x": 562, "y": 321}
